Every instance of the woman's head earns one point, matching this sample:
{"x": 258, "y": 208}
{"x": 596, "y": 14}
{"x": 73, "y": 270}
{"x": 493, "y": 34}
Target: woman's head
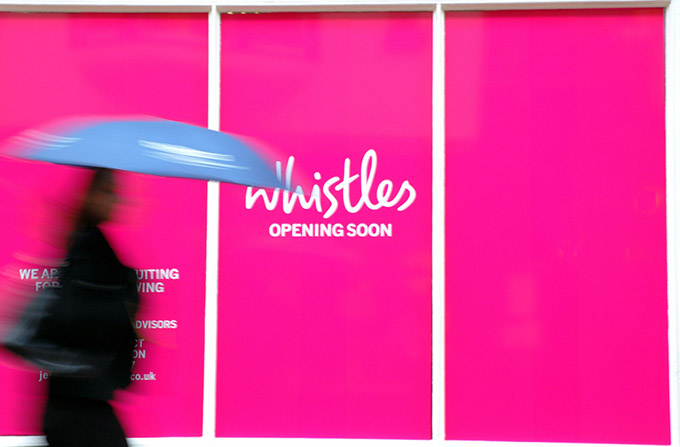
{"x": 100, "y": 198}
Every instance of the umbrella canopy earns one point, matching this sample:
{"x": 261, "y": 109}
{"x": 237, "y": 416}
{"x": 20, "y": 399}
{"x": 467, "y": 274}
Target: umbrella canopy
{"x": 157, "y": 147}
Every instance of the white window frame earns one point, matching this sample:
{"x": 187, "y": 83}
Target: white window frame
{"x": 214, "y": 9}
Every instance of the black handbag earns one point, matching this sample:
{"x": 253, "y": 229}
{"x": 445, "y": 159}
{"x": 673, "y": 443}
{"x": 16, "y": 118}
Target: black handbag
{"x": 28, "y": 340}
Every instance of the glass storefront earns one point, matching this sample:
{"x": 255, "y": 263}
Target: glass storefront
{"x": 553, "y": 222}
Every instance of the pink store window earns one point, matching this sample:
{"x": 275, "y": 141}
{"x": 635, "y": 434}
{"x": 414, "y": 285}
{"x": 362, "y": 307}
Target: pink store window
{"x": 324, "y": 310}
{"x": 66, "y": 65}
{"x": 555, "y": 227}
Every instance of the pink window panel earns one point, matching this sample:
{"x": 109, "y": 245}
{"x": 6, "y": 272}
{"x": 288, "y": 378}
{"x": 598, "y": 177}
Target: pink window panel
{"x": 66, "y": 65}
{"x": 328, "y": 335}
{"x": 556, "y": 324}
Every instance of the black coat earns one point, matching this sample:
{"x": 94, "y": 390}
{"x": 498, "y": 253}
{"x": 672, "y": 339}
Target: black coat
{"x": 98, "y": 301}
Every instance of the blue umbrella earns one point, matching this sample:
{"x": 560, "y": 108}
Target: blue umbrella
{"x": 158, "y": 147}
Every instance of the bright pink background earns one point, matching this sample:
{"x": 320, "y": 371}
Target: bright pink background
{"x": 327, "y": 337}
{"x": 57, "y": 66}
{"x": 555, "y": 227}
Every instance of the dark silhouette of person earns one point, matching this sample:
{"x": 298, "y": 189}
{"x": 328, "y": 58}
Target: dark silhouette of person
{"x": 98, "y": 301}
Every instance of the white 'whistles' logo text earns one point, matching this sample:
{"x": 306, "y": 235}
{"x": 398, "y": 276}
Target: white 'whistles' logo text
{"x": 384, "y": 197}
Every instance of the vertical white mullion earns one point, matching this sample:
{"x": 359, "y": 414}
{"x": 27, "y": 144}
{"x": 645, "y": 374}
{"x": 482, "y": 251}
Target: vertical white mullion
{"x": 672, "y": 66}
{"x": 438, "y": 227}
{"x": 212, "y": 237}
